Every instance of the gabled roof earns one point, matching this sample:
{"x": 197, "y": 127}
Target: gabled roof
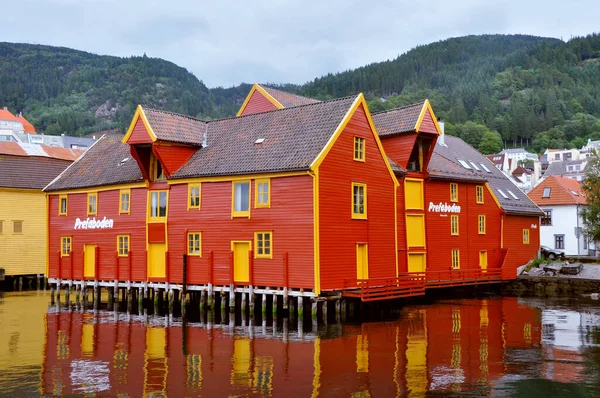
{"x": 6, "y": 115}
{"x": 28, "y": 127}
{"x": 562, "y": 191}
{"x": 24, "y": 149}
{"x": 497, "y": 158}
{"x": 291, "y": 139}
{"x": 29, "y": 172}
{"x": 398, "y": 120}
{"x": 107, "y": 162}
{"x": 288, "y": 100}
{"x": 168, "y": 126}
{"x": 445, "y": 164}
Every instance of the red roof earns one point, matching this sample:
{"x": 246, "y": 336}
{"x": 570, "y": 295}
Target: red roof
{"x": 26, "y": 125}
{"x": 6, "y": 115}
{"x": 22, "y": 149}
{"x": 562, "y": 191}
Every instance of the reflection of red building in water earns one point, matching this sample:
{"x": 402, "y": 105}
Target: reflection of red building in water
{"x": 445, "y": 347}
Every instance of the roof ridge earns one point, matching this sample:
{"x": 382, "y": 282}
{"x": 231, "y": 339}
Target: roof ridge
{"x": 173, "y": 113}
{"x": 399, "y": 108}
{"x": 285, "y": 109}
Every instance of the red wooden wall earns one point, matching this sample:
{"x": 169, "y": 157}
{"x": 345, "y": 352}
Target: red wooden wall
{"x": 172, "y": 157}
{"x": 469, "y": 241}
{"x": 399, "y": 147}
{"x": 513, "y": 237}
{"x": 258, "y": 103}
{"x": 428, "y": 125}
{"x": 339, "y": 233}
{"x": 139, "y": 135}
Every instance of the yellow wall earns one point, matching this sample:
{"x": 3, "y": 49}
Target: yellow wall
{"x": 25, "y": 253}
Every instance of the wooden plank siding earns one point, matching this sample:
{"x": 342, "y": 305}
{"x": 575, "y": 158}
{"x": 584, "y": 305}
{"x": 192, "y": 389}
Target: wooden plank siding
{"x": 339, "y": 233}
{"x": 258, "y": 103}
{"x": 399, "y": 147}
{"x": 139, "y": 134}
{"x": 513, "y": 238}
{"x": 290, "y": 218}
{"x": 428, "y": 125}
{"x": 468, "y": 241}
{"x": 172, "y": 157}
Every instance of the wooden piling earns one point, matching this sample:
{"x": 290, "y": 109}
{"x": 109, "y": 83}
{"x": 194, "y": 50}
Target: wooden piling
{"x": 324, "y": 311}
{"x": 52, "y": 291}
{"x": 338, "y": 310}
{"x": 275, "y": 300}
{"x": 343, "y": 309}
{"x": 263, "y": 307}
{"x": 244, "y": 302}
{"x": 231, "y": 298}
{"x": 300, "y": 306}
{"x": 156, "y": 302}
{"x": 251, "y": 299}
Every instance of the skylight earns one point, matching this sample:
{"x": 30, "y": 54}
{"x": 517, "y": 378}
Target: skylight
{"x": 474, "y": 166}
{"x": 259, "y": 141}
{"x": 485, "y": 167}
{"x": 546, "y": 193}
{"x": 503, "y": 194}
{"x": 573, "y": 192}
{"x": 512, "y": 194}
{"x": 464, "y": 164}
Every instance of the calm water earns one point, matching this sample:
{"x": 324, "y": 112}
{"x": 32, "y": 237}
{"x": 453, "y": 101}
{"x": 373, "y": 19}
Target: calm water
{"x": 474, "y": 347}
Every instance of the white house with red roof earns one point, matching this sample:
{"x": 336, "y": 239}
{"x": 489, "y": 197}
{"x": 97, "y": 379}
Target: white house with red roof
{"x": 561, "y": 228}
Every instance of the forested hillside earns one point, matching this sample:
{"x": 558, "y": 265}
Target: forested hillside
{"x": 492, "y": 90}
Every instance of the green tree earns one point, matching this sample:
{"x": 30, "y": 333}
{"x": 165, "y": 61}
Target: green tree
{"x": 491, "y": 142}
{"x": 471, "y": 133}
{"x": 591, "y": 187}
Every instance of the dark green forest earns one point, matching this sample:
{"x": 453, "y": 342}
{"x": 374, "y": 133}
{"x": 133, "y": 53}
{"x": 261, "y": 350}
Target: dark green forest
{"x": 493, "y": 91}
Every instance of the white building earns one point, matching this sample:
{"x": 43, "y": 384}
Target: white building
{"x": 561, "y": 228}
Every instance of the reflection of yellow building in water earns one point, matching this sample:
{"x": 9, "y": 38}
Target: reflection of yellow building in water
{"x": 25, "y": 169}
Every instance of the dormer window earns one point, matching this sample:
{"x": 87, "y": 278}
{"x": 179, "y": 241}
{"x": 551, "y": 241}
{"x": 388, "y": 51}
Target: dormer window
{"x": 156, "y": 172}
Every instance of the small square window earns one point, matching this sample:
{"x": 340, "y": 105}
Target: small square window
{"x": 359, "y": 149}
{"x": 453, "y": 192}
{"x": 359, "y": 200}
{"x": 194, "y": 244}
{"x": 263, "y": 197}
{"x": 65, "y": 246}
{"x": 92, "y": 209}
{"x": 559, "y": 242}
{"x": 547, "y": 217}
{"x": 241, "y": 199}
{"x": 123, "y": 245}
{"x": 264, "y": 245}
{"x": 17, "y": 227}
{"x": 158, "y": 204}
{"x": 62, "y": 205}
{"x": 193, "y": 196}
{"x": 546, "y": 193}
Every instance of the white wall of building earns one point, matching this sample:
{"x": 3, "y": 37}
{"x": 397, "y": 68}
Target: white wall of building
{"x": 565, "y": 219}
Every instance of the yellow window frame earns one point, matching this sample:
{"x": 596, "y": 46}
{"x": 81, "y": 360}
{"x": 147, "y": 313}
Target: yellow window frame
{"x": 359, "y": 149}
{"x": 262, "y": 239}
{"x": 240, "y": 213}
{"x": 481, "y": 227}
{"x": 92, "y": 204}
{"x": 123, "y": 245}
{"x": 65, "y": 246}
{"x": 122, "y": 202}
{"x": 479, "y": 194}
{"x": 262, "y": 192}
{"x": 60, "y": 207}
{"x": 194, "y": 196}
{"x": 149, "y": 206}
{"x": 454, "y": 225}
{"x": 155, "y": 176}
{"x": 359, "y": 209}
{"x": 526, "y": 236}
{"x": 453, "y": 192}
{"x": 455, "y": 259}
{"x": 194, "y": 244}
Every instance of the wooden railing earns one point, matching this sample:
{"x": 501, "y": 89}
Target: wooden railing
{"x": 374, "y": 289}
{"x": 462, "y": 277}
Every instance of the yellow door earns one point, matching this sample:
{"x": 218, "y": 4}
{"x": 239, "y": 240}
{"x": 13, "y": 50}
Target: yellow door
{"x": 241, "y": 266}
{"x": 415, "y": 230}
{"x": 416, "y": 262}
{"x": 156, "y": 260}
{"x": 89, "y": 261}
{"x": 362, "y": 261}
{"x": 483, "y": 260}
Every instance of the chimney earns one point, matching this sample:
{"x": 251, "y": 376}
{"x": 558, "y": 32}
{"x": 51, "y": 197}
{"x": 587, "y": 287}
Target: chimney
{"x": 441, "y": 139}
{"x": 5, "y": 108}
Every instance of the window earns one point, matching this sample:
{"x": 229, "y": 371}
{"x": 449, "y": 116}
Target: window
{"x": 546, "y": 193}
{"x": 481, "y": 224}
{"x": 512, "y": 194}
{"x": 92, "y": 208}
{"x": 158, "y": 174}
{"x": 194, "y": 244}
{"x": 464, "y": 164}
{"x": 559, "y": 242}
{"x": 1, "y": 227}
{"x": 454, "y": 224}
{"x": 194, "y": 196}
{"x": 263, "y": 188}
{"x": 453, "y": 192}
{"x": 124, "y": 201}
{"x": 485, "y": 167}
{"x": 123, "y": 245}
{"x": 479, "y": 194}
{"x": 503, "y": 194}
{"x": 585, "y": 242}
{"x": 241, "y": 199}
{"x": 264, "y": 245}
{"x": 547, "y": 217}
{"x": 474, "y": 166}
{"x": 65, "y": 246}
{"x": 62, "y": 205}
{"x": 526, "y": 236}
{"x": 455, "y": 259}
{"x": 359, "y": 149}
{"x": 359, "y": 200}
{"x": 158, "y": 204}
{"x": 17, "y": 227}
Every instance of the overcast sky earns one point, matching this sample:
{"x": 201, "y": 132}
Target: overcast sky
{"x": 225, "y": 43}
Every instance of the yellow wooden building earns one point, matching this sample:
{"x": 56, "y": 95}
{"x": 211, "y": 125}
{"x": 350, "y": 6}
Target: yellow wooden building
{"x": 25, "y": 169}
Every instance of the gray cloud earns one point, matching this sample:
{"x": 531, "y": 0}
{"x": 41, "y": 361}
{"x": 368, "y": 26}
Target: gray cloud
{"x": 226, "y": 43}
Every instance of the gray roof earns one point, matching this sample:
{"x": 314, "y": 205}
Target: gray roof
{"x": 560, "y": 168}
{"x": 398, "y": 120}
{"x": 444, "y": 164}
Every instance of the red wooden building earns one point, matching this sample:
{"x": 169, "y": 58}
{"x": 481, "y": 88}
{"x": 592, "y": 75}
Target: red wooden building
{"x": 293, "y": 193}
